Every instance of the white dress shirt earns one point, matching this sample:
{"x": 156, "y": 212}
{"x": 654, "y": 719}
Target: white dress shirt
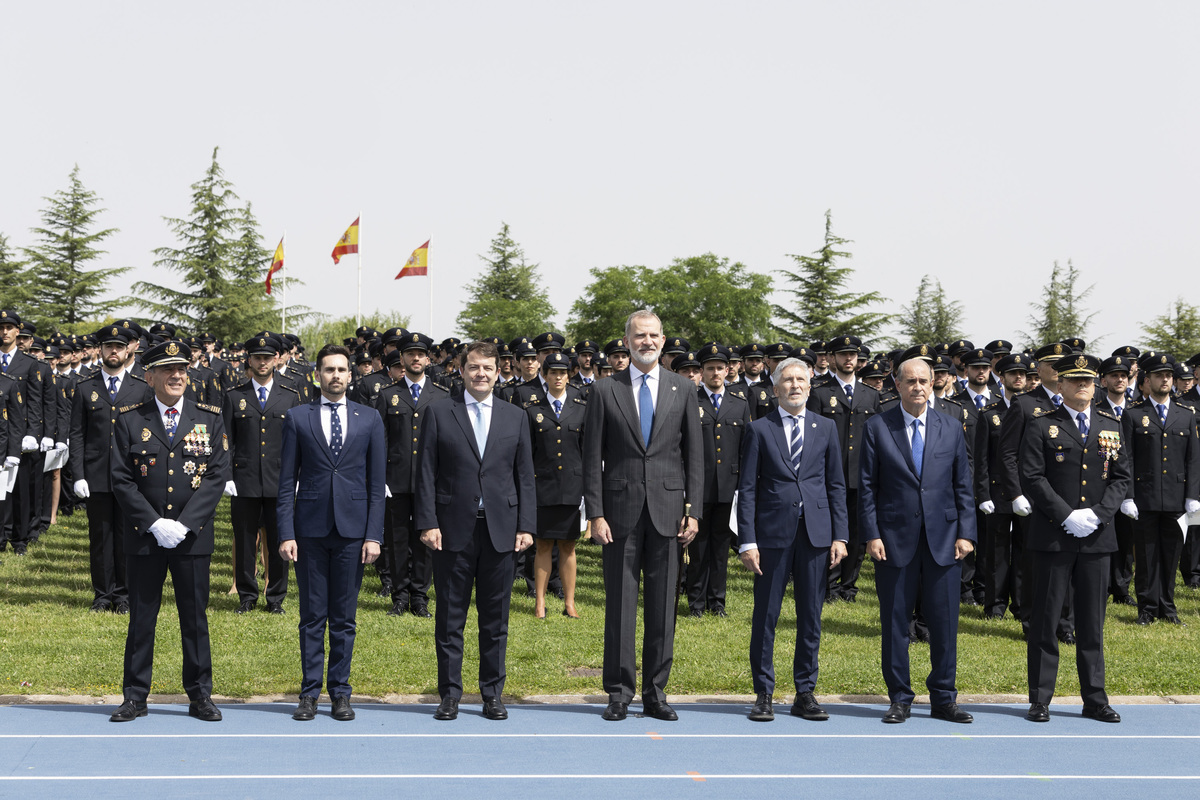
{"x": 635, "y": 376}
{"x": 343, "y": 417}
{"x": 908, "y": 421}
{"x": 162, "y": 412}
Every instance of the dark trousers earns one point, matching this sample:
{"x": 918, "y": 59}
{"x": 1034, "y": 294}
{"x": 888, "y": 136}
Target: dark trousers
{"x": 189, "y": 577}
{"x": 1055, "y": 575}
{"x": 411, "y": 561}
{"x": 1157, "y": 545}
{"x": 897, "y": 589}
{"x": 1189, "y": 560}
{"x": 843, "y": 579}
{"x": 1001, "y": 576}
{"x": 247, "y": 514}
{"x": 976, "y": 565}
{"x": 708, "y": 559}
{"x": 17, "y": 512}
{"x": 329, "y": 573}
{"x": 1120, "y": 571}
{"x": 489, "y": 572}
{"x": 37, "y": 488}
{"x": 808, "y": 565}
{"x": 106, "y": 548}
{"x": 640, "y": 552}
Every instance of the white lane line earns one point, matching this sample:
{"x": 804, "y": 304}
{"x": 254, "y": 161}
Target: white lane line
{"x": 558, "y": 776}
{"x": 655, "y": 736}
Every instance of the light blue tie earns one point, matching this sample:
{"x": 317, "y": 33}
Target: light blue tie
{"x": 918, "y": 446}
{"x": 480, "y": 429}
{"x": 646, "y": 409}
{"x": 1081, "y": 418}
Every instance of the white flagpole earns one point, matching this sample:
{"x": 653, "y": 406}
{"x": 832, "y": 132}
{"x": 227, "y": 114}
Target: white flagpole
{"x": 283, "y": 289}
{"x": 430, "y": 274}
{"x": 358, "y": 314}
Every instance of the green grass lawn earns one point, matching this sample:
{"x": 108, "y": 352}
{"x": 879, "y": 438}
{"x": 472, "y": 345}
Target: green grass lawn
{"x": 51, "y": 644}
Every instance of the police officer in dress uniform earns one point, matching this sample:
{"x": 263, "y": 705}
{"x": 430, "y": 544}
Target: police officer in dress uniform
{"x": 253, "y": 416}
{"x": 1160, "y": 432}
{"x": 170, "y": 468}
{"x": 1075, "y": 472}
{"x": 1111, "y": 396}
{"x": 24, "y": 369}
{"x": 724, "y": 418}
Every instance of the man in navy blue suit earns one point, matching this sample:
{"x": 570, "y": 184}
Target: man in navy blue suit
{"x": 332, "y": 472}
{"x": 476, "y": 507}
{"x": 917, "y": 516}
{"x": 792, "y": 521}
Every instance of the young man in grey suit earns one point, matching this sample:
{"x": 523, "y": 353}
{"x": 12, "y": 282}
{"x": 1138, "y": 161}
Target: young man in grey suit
{"x": 643, "y": 475}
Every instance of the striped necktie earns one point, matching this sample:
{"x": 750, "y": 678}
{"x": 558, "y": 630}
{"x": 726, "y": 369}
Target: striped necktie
{"x": 796, "y": 442}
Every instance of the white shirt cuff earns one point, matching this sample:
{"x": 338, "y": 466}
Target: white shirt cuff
{"x": 747, "y": 547}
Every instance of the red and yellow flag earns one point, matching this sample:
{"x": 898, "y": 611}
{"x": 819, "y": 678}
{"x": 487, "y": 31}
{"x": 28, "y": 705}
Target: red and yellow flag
{"x": 276, "y": 264}
{"x": 347, "y": 244}
{"x": 417, "y": 264}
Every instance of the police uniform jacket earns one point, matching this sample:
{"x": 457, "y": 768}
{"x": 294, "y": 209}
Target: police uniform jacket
{"x": 366, "y": 390}
{"x": 24, "y": 369}
{"x": 830, "y": 402}
{"x": 557, "y": 448}
{"x": 256, "y": 435}
{"x": 987, "y": 453}
{"x": 722, "y": 431}
{"x": 94, "y": 425}
{"x": 1012, "y": 433}
{"x": 1060, "y": 472}
{"x": 12, "y": 430}
{"x": 1166, "y": 458}
{"x": 403, "y": 422}
{"x": 183, "y": 479}
{"x": 760, "y": 396}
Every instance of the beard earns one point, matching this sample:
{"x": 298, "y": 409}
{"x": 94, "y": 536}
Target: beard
{"x": 645, "y": 359}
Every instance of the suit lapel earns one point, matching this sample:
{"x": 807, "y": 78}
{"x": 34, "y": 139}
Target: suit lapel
{"x": 666, "y": 397}
{"x": 775, "y": 420}
{"x": 900, "y": 437}
{"x": 623, "y": 389}
{"x": 464, "y": 422}
{"x": 314, "y": 421}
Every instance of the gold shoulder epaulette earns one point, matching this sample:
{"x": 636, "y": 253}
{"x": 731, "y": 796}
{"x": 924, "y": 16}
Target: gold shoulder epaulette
{"x": 208, "y": 408}
{"x": 439, "y": 386}
{"x": 581, "y": 401}
{"x": 1106, "y": 414}
{"x": 144, "y": 403}
{"x": 1041, "y": 412}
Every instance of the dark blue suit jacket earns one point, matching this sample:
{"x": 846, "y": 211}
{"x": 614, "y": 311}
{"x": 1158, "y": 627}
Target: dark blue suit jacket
{"x": 770, "y": 492}
{"x": 894, "y": 504}
{"x": 348, "y": 491}
{"x": 451, "y": 476}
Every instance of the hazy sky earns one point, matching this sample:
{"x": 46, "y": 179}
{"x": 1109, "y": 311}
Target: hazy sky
{"x": 975, "y": 142}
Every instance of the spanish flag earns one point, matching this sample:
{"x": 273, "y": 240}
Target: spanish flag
{"x": 347, "y": 244}
{"x": 276, "y": 264}
{"x": 417, "y": 264}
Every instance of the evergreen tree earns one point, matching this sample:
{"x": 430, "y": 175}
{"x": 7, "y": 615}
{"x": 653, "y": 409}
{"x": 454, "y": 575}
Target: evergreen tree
{"x": 706, "y": 299}
{"x": 822, "y": 306}
{"x": 613, "y": 294}
{"x": 248, "y": 307}
{"x": 69, "y": 294}
{"x": 1177, "y": 332}
{"x": 1060, "y": 314}
{"x": 13, "y": 278}
{"x": 507, "y": 300}
{"x": 931, "y": 318}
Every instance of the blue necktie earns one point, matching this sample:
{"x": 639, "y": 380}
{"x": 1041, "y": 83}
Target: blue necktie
{"x": 416, "y": 392}
{"x": 1119, "y": 409}
{"x": 5, "y": 367}
{"x": 558, "y": 408}
{"x": 979, "y": 402}
{"x": 1081, "y": 418}
{"x": 112, "y": 386}
{"x": 335, "y": 430}
{"x": 1056, "y": 399}
{"x": 1162, "y": 412}
{"x": 171, "y": 414}
{"x": 716, "y": 400}
{"x": 850, "y": 392}
{"x": 796, "y": 443}
{"x": 646, "y": 409}
{"x": 262, "y": 397}
{"x": 918, "y": 446}
{"x": 480, "y": 429}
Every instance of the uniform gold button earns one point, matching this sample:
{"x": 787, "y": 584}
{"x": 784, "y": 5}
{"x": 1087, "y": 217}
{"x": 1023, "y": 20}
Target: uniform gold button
{"x": 558, "y": 454}
{"x": 170, "y": 455}
{"x": 1085, "y": 466}
{"x": 718, "y": 436}
{"x": 1083, "y": 483}
{"x": 170, "y": 488}
{"x": 264, "y": 443}
{"x": 414, "y": 452}
{"x": 169, "y": 506}
{"x": 560, "y": 466}
{"x": 414, "y": 438}
{"x": 1083, "y": 499}
{"x": 170, "y": 472}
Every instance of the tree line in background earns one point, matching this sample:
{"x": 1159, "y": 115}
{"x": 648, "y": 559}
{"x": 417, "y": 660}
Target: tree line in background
{"x": 220, "y": 264}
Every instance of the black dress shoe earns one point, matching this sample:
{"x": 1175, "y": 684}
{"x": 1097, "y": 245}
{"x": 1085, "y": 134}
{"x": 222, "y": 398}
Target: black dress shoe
{"x": 762, "y": 711}
{"x": 696, "y": 613}
{"x": 807, "y": 707}
{"x": 1144, "y": 618}
{"x": 306, "y": 710}
{"x": 951, "y": 713}
{"x": 19, "y": 549}
{"x": 1103, "y": 713}
{"x": 122, "y": 607}
{"x": 274, "y": 608}
{"x": 1173, "y": 619}
{"x": 897, "y": 712}
{"x": 719, "y": 612}
{"x": 1038, "y": 712}
{"x": 397, "y": 610}
{"x": 204, "y": 710}
{"x": 1068, "y": 638}
{"x": 245, "y": 607}
{"x": 659, "y": 711}
{"x": 128, "y": 711}
{"x": 447, "y": 709}
{"x": 342, "y": 711}
{"x": 101, "y": 605}
{"x": 616, "y": 711}
{"x": 385, "y": 589}
{"x": 493, "y": 708}
{"x": 421, "y": 610}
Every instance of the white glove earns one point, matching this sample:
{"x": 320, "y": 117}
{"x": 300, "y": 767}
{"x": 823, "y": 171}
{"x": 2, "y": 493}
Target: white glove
{"x": 1191, "y": 506}
{"x": 29, "y": 444}
{"x": 1092, "y": 519}
{"x": 1021, "y": 507}
{"x": 47, "y": 444}
{"x": 166, "y": 533}
{"x": 60, "y": 445}
{"x": 81, "y": 489}
{"x": 230, "y": 489}
{"x": 1129, "y": 509}
{"x": 12, "y": 461}
{"x": 1079, "y": 524}
{"x": 386, "y": 491}
{"x": 987, "y": 507}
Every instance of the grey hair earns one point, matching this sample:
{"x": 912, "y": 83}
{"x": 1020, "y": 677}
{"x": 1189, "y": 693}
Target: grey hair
{"x": 788, "y": 362}
{"x": 900, "y": 368}
{"x": 641, "y": 313}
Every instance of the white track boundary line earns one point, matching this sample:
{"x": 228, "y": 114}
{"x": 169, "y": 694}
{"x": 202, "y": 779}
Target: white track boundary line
{"x": 654, "y": 735}
{"x": 558, "y": 776}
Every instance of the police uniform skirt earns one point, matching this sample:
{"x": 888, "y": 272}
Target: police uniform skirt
{"x": 558, "y": 522}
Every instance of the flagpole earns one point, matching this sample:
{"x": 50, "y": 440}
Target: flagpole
{"x": 358, "y": 314}
{"x": 283, "y": 299}
{"x": 430, "y": 274}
